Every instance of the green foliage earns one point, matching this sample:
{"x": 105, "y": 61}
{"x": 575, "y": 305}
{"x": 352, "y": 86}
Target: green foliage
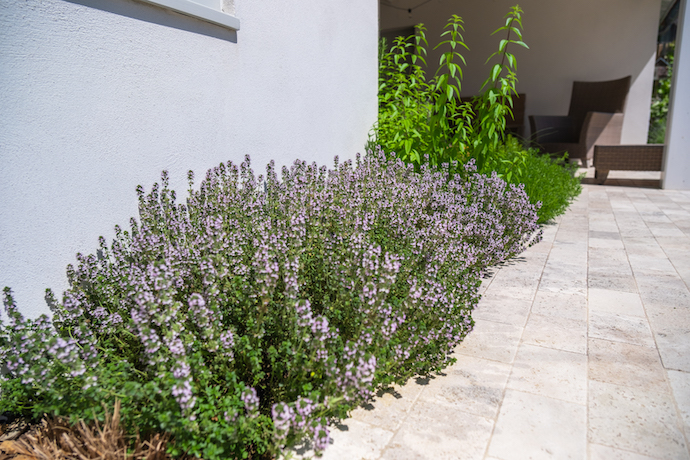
{"x": 241, "y": 321}
{"x": 425, "y": 120}
{"x": 549, "y": 182}
{"x": 659, "y": 109}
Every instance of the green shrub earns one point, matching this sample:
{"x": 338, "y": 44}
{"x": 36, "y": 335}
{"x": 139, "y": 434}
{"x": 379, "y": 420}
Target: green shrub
{"x": 241, "y": 321}
{"x": 424, "y": 120}
{"x": 549, "y": 182}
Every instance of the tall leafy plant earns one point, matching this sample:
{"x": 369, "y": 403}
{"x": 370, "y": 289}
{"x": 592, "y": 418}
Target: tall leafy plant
{"x": 425, "y": 120}
{"x": 496, "y": 98}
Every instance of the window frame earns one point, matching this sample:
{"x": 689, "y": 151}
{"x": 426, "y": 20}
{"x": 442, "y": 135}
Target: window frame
{"x": 196, "y": 10}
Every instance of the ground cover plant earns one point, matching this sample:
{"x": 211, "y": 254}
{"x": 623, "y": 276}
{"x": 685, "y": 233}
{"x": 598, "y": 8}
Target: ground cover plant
{"x": 240, "y": 322}
{"x": 424, "y": 120}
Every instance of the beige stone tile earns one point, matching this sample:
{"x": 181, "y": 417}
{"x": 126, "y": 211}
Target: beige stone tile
{"x": 491, "y": 340}
{"x": 548, "y": 372}
{"x": 534, "y": 259}
{"x": 654, "y": 217}
{"x": 543, "y": 247}
{"x": 537, "y": 427}
{"x": 678, "y": 245}
{"x": 599, "y": 452}
{"x": 615, "y": 254}
{"x": 571, "y": 257}
{"x": 564, "y": 277}
{"x": 663, "y": 290}
{"x": 680, "y": 385}
{"x": 634, "y": 231}
{"x": 556, "y": 332}
{"x": 512, "y": 287}
{"x": 521, "y": 271}
{"x": 502, "y": 309}
{"x": 613, "y": 259}
{"x": 563, "y": 305}
{"x": 389, "y": 408}
{"x": 599, "y": 280}
{"x": 573, "y": 237}
{"x": 622, "y": 303}
{"x": 625, "y": 364}
{"x": 670, "y": 324}
{"x": 600, "y": 205}
{"x": 643, "y": 246}
{"x": 643, "y": 422}
{"x": 683, "y": 271}
{"x": 600, "y": 243}
{"x": 670, "y": 315}
{"x": 651, "y": 265}
{"x": 471, "y": 385}
{"x": 666, "y": 231}
{"x": 608, "y": 225}
{"x": 439, "y": 432}
{"x": 608, "y": 267}
{"x": 620, "y": 328}
{"x": 560, "y": 304}
{"x": 674, "y": 348}
{"x": 549, "y": 233}
{"x": 352, "y": 439}
{"x": 563, "y": 284}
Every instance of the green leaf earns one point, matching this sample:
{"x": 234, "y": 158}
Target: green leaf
{"x": 495, "y": 72}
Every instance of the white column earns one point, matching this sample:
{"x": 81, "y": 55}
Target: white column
{"x": 676, "y": 169}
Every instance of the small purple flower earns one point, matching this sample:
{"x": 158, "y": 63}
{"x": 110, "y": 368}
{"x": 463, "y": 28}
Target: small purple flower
{"x": 251, "y": 401}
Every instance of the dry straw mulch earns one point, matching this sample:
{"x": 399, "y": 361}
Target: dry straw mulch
{"x": 55, "y": 439}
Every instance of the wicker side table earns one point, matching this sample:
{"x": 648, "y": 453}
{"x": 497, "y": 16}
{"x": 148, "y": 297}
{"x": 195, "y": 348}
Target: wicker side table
{"x": 626, "y": 158}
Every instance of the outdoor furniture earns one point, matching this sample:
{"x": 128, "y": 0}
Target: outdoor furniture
{"x": 595, "y": 117}
{"x": 514, "y": 124}
{"x": 626, "y": 158}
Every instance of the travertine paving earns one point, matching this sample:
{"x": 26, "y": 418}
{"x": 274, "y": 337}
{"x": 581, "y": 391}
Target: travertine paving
{"x": 581, "y": 349}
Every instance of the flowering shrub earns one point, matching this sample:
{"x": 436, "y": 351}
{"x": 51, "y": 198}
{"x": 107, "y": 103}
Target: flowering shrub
{"x": 241, "y": 321}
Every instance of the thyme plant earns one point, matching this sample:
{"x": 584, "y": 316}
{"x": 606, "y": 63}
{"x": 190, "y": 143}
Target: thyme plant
{"x": 242, "y": 320}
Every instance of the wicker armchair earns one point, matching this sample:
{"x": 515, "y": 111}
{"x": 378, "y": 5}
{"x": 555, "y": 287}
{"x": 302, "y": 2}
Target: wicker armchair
{"x": 595, "y": 117}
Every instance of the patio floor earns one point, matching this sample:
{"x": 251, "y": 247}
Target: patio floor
{"x": 581, "y": 349}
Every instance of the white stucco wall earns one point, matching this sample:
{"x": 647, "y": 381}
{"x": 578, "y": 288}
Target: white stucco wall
{"x": 676, "y": 170}
{"x": 98, "y": 96}
{"x": 586, "y": 40}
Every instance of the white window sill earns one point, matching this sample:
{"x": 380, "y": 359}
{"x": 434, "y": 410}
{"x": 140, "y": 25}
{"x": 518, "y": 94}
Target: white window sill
{"x": 207, "y": 13}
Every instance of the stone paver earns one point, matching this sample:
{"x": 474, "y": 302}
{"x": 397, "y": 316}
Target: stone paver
{"x": 581, "y": 349}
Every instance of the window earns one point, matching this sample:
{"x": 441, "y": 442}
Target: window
{"x": 219, "y": 12}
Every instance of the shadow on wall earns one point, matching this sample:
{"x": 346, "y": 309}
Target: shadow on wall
{"x": 158, "y": 15}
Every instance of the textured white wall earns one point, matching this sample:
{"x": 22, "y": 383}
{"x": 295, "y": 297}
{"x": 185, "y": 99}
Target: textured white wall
{"x": 676, "y": 174}
{"x": 586, "y": 40}
{"x": 98, "y": 96}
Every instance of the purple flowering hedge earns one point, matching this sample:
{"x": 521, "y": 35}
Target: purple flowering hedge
{"x": 244, "y": 320}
